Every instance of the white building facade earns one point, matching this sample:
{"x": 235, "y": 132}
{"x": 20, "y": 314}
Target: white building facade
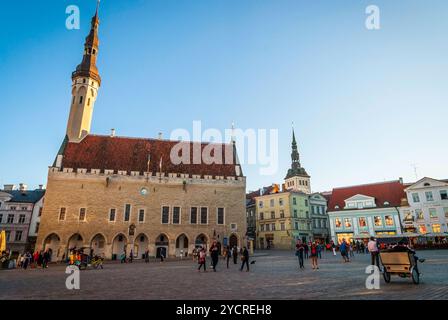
{"x": 427, "y": 210}
{"x": 20, "y": 211}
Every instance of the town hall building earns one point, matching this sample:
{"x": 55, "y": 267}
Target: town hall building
{"x": 116, "y": 195}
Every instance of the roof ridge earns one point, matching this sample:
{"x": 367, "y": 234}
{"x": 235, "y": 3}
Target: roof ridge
{"x": 368, "y": 184}
{"x": 156, "y": 139}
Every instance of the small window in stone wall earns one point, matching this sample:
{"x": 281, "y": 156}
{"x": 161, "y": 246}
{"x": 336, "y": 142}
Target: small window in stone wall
{"x": 62, "y": 214}
{"x": 141, "y": 215}
{"x": 194, "y": 215}
{"x": 220, "y": 219}
{"x": 82, "y": 214}
{"x": 165, "y": 214}
{"x": 112, "y": 215}
{"x": 176, "y": 215}
{"x": 204, "y": 215}
{"x": 127, "y": 212}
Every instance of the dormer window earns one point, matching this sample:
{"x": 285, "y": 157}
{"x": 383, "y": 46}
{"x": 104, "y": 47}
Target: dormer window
{"x": 386, "y": 203}
{"x": 360, "y": 201}
{"x": 336, "y": 207}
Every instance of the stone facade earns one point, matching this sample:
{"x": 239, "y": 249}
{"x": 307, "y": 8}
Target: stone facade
{"x": 116, "y": 195}
{"x": 99, "y": 193}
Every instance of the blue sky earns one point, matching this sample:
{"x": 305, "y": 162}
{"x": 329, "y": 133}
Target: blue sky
{"x": 366, "y": 104}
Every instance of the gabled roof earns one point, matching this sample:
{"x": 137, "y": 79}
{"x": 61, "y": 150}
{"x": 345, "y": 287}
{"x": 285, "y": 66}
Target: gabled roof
{"x": 391, "y": 192}
{"x": 132, "y": 154}
{"x": 28, "y": 196}
{"x": 426, "y": 180}
{"x": 359, "y": 197}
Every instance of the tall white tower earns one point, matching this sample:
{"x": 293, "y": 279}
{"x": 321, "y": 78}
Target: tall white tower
{"x": 85, "y": 84}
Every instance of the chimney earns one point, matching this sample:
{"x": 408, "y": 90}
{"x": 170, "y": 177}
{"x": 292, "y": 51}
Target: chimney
{"x": 160, "y": 135}
{"x": 112, "y": 133}
{"x": 401, "y": 180}
{"x": 261, "y": 191}
{"x": 41, "y": 187}
{"x": 8, "y": 187}
{"x": 22, "y": 187}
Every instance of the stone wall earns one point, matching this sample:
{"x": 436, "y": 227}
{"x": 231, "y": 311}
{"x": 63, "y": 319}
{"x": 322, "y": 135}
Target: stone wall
{"x": 99, "y": 193}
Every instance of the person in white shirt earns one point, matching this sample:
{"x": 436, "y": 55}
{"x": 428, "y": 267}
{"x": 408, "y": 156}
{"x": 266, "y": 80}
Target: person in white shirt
{"x": 372, "y": 246}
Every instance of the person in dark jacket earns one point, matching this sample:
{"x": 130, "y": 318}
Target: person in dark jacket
{"x": 245, "y": 259}
{"x": 235, "y": 254}
{"x": 228, "y": 255}
{"x": 305, "y": 246}
{"x": 299, "y": 253}
{"x": 214, "y": 253}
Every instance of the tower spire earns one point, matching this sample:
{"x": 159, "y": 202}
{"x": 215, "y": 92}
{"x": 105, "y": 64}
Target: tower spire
{"x": 87, "y": 67}
{"x": 85, "y": 84}
{"x": 295, "y": 157}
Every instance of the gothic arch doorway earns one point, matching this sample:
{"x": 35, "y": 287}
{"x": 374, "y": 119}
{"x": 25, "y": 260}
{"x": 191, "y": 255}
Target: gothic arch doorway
{"x": 233, "y": 241}
{"x": 119, "y": 246}
{"x": 162, "y": 246}
{"x": 182, "y": 245}
{"x": 52, "y": 243}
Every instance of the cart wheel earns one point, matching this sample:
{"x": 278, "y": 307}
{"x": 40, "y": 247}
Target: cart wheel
{"x": 386, "y": 276}
{"x": 415, "y": 276}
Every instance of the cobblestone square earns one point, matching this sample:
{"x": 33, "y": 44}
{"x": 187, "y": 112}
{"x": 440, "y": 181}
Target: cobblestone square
{"x": 275, "y": 275}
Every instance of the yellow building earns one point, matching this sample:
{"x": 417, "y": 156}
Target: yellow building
{"x": 282, "y": 218}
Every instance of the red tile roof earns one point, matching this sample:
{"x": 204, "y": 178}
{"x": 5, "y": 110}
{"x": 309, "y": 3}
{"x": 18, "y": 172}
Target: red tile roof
{"x": 131, "y": 154}
{"x": 266, "y": 190}
{"x": 391, "y": 191}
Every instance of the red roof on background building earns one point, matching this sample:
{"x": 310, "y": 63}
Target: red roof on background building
{"x": 391, "y": 192}
{"x": 132, "y": 154}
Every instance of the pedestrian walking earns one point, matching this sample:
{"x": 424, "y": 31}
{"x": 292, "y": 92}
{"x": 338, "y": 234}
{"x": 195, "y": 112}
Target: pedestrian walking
{"x": 313, "y": 251}
{"x": 214, "y": 254}
{"x": 245, "y": 259}
{"x": 299, "y": 253}
{"x": 372, "y": 247}
{"x": 306, "y": 247}
{"x": 195, "y": 254}
{"x": 333, "y": 247}
{"x": 343, "y": 248}
{"x": 202, "y": 260}
{"x": 350, "y": 248}
{"x": 46, "y": 259}
{"x": 27, "y": 260}
{"x": 228, "y": 255}
{"x": 123, "y": 257}
{"x": 319, "y": 250}
{"x": 147, "y": 256}
{"x": 235, "y": 254}
{"x": 131, "y": 256}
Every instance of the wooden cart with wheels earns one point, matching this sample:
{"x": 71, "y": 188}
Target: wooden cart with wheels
{"x": 399, "y": 263}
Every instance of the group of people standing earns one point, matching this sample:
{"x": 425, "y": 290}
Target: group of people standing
{"x": 228, "y": 253}
{"x": 35, "y": 260}
{"x": 311, "y": 250}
